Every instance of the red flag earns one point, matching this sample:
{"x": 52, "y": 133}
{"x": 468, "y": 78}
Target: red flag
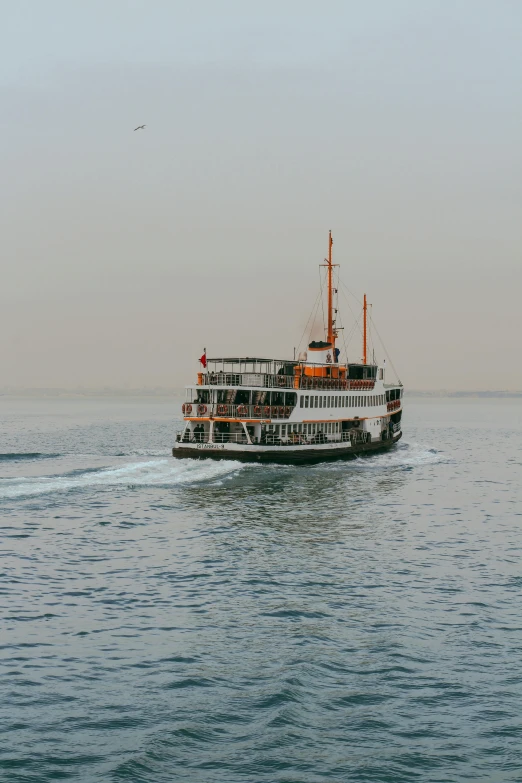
{"x": 203, "y": 360}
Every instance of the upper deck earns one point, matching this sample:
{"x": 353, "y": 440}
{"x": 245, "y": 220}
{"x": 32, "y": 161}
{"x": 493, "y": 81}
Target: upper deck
{"x": 288, "y": 374}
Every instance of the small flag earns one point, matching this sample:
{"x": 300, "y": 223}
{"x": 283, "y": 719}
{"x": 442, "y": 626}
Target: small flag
{"x": 203, "y": 360}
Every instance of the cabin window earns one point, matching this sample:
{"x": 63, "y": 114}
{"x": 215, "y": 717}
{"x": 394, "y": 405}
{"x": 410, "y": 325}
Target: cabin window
{"x": 320, "y": 402}
{"x": 301, "y": 401}
{"x": 324, "y": 401}
{"x": 306, "y": 401}
{"x": 317, "y": 402}
{"x": 283, "y": 430}
{"x": 329, "y": 401}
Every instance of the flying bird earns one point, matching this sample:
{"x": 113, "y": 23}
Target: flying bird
{"x": 140, "y": 127}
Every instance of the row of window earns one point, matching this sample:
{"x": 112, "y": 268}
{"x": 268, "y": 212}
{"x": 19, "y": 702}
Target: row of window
{"x": 330, "y": 427}
{"x": 341, "y": 401}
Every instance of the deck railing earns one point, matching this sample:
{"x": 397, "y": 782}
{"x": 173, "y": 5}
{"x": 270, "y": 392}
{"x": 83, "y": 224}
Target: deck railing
{"x": 293, "y": 439}
{"x": 217, "y": 410}
{"x": 263, "y": 380}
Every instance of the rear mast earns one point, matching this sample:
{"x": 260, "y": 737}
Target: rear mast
{"x": 365, "y": 329}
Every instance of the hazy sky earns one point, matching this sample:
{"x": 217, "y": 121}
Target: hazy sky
{"x": 396, "y": 123}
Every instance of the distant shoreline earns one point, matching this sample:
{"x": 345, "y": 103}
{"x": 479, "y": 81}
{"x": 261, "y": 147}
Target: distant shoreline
{"x": 176, "y": 392}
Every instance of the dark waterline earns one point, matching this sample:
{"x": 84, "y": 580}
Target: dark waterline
{"x": 210, "y": 622}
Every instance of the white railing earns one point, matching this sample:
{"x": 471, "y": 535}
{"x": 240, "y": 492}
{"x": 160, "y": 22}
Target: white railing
{"x": 270, "y": 439}
{"x": 230, "y": 437}
{"x": 248, "y": 379}
{"x": 265, "y": 380}
{"x": 225, "y": 410}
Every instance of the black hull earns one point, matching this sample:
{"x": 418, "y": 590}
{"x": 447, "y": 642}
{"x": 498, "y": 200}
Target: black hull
{"x": 289, "y": 456}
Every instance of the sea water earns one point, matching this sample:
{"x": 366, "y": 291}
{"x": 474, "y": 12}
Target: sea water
{"x": 215, "y": 622}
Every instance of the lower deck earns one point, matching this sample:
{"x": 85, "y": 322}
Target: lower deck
{"x": 300, "y": 454}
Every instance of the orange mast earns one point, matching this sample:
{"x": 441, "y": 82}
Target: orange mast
{"x": 365, "y": 311}
{"x": 331, "y": 333}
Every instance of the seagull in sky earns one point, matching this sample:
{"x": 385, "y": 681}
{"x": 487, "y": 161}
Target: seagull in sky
{"x": 140, "y": 127}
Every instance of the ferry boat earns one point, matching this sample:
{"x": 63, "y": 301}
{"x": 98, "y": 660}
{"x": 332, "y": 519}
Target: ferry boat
{"x": 304, "y": 410}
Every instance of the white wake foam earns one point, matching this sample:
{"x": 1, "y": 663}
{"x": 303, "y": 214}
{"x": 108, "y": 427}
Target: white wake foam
{"x": 158, "y": 472}
{"x": 405, "y": 455}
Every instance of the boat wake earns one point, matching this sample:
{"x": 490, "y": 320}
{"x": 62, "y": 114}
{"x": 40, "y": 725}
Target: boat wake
{"x": 16, "y": 456}
{"x": 154, "y": 473}
{"x": 404, "y": 456}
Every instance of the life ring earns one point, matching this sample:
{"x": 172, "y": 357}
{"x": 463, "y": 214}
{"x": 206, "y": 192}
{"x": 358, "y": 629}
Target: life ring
{"x": 316, "y": 382}
{"x": 287, "y": 411}
{"x": 242, "y": 410}
{"x": 222, "y": 410}
{"x": 274, "y": 411}
{"x": 281, "y": 380}
{"x": 257, "y": 410}
{"x": 281, "y": 411}
{"x": 267, "y": 410}
{"x": 343, "y": 384}
{"x": 202, "y": 409}
{"x": 186, "y": 408}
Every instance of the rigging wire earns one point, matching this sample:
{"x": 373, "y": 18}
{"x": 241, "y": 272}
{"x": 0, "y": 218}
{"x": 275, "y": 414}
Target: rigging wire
{"x": 311, "y": 316}
{"x": 386, "y": 352}
{"x": 322, "y": 299}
